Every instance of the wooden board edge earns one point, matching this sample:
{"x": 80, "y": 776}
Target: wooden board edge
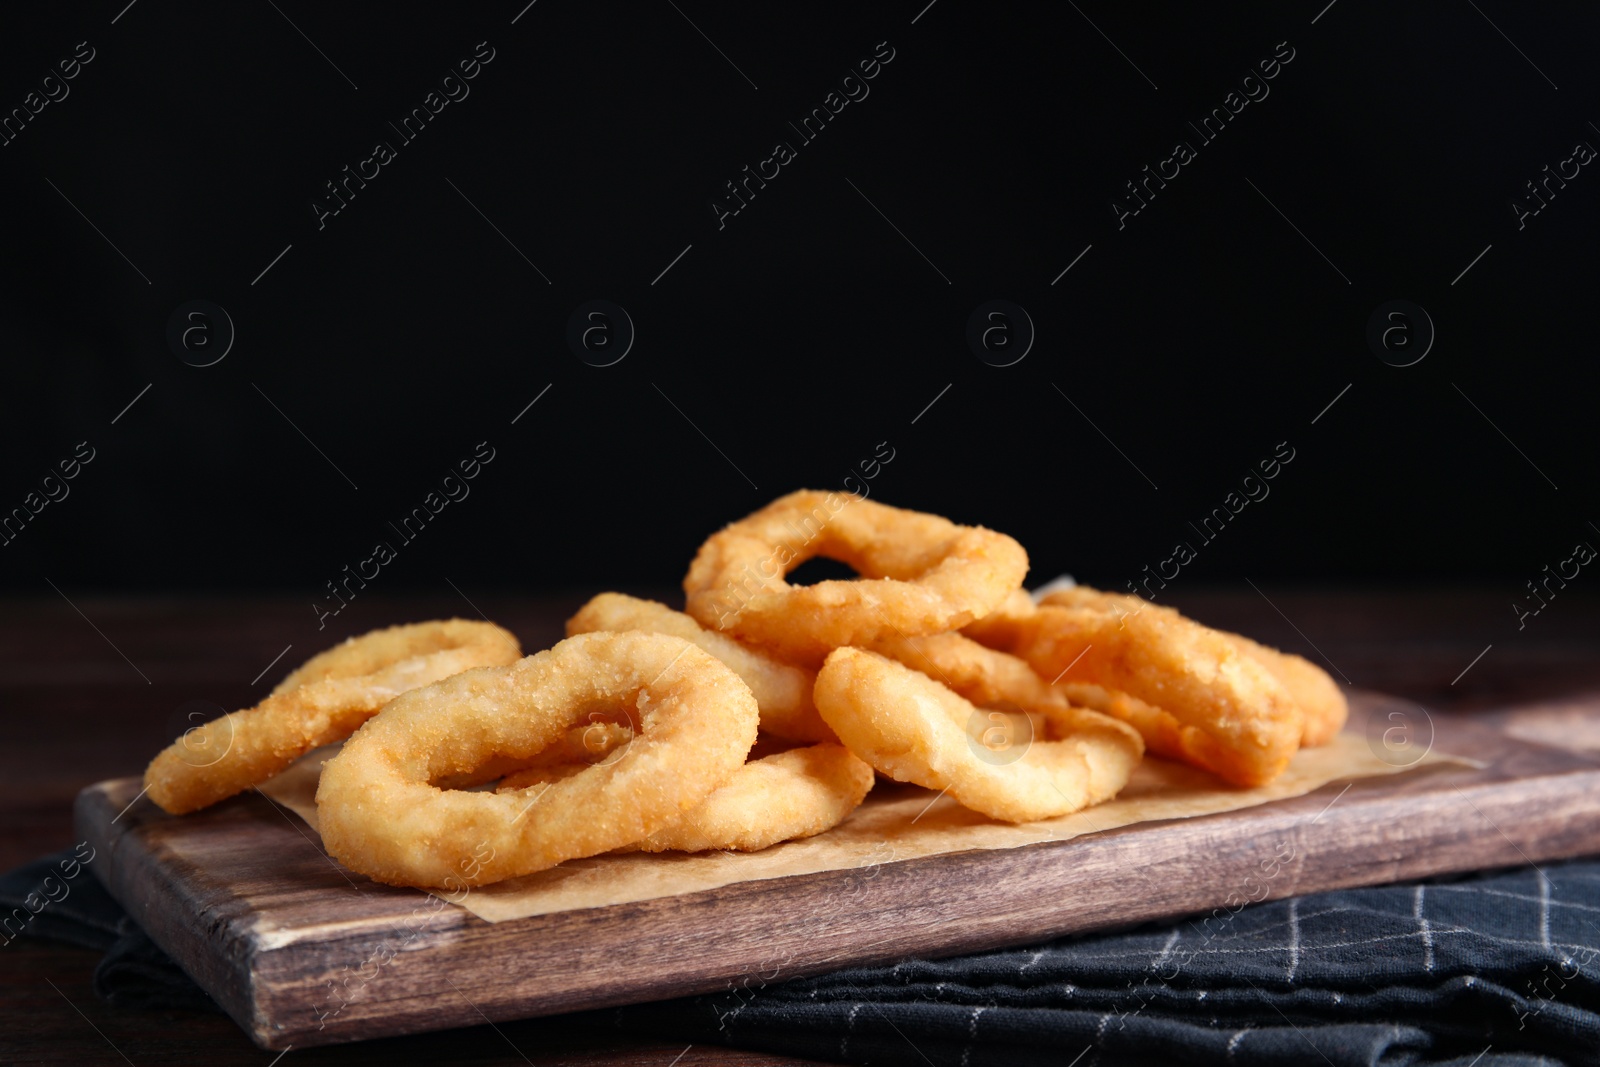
{"x": 1549, "y": 816}
{"x": 132, "y": 874}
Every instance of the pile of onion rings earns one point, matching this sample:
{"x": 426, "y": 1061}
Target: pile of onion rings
{"x": 762, "y": 714}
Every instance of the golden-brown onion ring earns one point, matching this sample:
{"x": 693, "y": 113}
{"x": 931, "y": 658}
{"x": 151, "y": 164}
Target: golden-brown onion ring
{"x": 580, "y": 747}
{"x": 782, "y": 692}
{"x": 913, "y": 729}
{"x": 999, "y": 628}
{"x": 1230, "y": 714}
{"x": 984, "y": 676}
{"x": 1322, "y": 705}
{"x": 782, "y": 797}
{"x": 330, "y": 696}
{"x": 921, "y": 574}
{"x": 1321, "y": 702}
{"x": 380, "y": 816}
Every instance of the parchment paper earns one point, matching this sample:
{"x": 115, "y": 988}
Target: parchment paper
{"x": 896, "y": 822}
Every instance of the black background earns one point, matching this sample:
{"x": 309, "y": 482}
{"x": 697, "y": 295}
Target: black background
{"x": 779, "y": 351}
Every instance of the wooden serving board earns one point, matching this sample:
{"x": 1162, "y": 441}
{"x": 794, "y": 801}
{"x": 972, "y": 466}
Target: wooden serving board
{"x": 301, "y": 952}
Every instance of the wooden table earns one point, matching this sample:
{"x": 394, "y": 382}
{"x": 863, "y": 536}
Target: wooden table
{"x": 92, "y": 696}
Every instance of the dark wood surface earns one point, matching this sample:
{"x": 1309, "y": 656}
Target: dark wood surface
{"x": 76, "y": 711}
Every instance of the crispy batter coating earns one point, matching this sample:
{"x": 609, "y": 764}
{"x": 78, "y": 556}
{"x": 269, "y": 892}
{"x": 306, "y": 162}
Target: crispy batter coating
{"x": 783, "y": 692}
{"x": 913, "y": 729}
{"x": 1163, "y": 735}
{"x": 783, "y": 797}
{"x": 1220, "y": 708}
{"x": 580, "y": 747}
{"x": 984, "y": 676}
{"x": 1321, "y": 701}
{"x": 1319, "y": 698}
{"x": 380, "y": 815}
{"x": 323, "y": 701}
{"x": 921, "y": 574}
{"x": 992, "y": 679}
{"x": 402, "y": 649}
{"x": 776, "y": 796}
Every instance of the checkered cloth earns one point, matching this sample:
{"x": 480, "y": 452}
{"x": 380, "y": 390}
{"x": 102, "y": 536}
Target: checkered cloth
{"x": 1492, "y": 970}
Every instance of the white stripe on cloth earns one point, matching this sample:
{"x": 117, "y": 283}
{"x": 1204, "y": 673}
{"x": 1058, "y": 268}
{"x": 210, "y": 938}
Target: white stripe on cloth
{"x": 849, "y": 1025}
{"x": 1166, "y": 950}
{"x": 1294, "y": 938}
{"x": 1544, "y": 907}
{"x": 1424, "y": 931}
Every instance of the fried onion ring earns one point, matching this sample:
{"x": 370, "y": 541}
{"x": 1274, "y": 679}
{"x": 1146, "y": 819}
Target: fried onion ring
{"x": 578, "y": 748}
{"x": 992, "y": 679}
{"x": 1321, "y": 702}
{"x": 984, "y": 676}
{"x": 1323, "y": 706}
{"x": 321, "y": 702}
{"x": 452, "y": 641}
{"x": 1163, "y": 735}
{"x": 921, "y": 574}
{"x": 1228, "y": 713}
{"x": 782, "y": 692}
{"x": 782, "y": 797}
{"x": 380, "y": 816}
{"x": 913, "y": 729}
